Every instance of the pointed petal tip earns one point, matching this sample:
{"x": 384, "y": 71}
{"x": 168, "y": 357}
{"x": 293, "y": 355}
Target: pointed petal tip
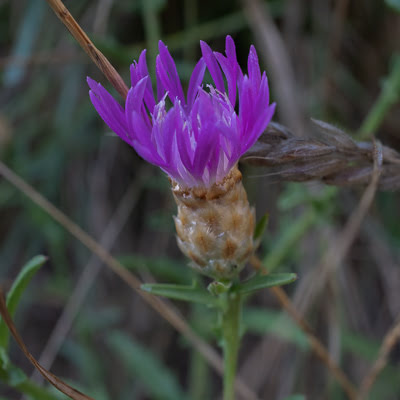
{"x": 204, "y": 46}
{"x": 253, "y": 52}
{"x": 229, "y": 41}
{"x": 90, "y": 81}
{"x": 161, "y": 45}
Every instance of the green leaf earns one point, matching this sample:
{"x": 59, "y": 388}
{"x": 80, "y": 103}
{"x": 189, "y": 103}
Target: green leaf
{"x": 260, "y": 227}
{"x": 4, "y": 360}
{"x": 157, "y": 378}
{"x": 261, "y": 321}
{"x": 16, "y": 378}
{"x": 181, "y": 292}
{"x": 394, "y": 4}
{"x": 264, "y": 281}
{"x": 16, "y": 291}
{"x": 161, "y": 267}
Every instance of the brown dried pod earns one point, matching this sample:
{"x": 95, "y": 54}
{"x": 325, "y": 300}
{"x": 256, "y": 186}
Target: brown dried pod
{"x": 332, "y": 157}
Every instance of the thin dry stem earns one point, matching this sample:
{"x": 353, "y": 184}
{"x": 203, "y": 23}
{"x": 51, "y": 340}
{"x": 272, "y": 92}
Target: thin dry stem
{"x": 166, "y": 311}
{"x": 316, "y": 345}
{"x": 41, "y": 58}
{"x": 88, "y": 276}
{"x": 340, "y": 246}
{"x": 330, "y": 155}
{"x": 273, "y": 50}
{"x": 95, "y": 54}
{"x": 53, "y": 379}
{"x": 391, "y": 338}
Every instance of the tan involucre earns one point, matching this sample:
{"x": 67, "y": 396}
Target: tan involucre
{"x": 215, "y": 226}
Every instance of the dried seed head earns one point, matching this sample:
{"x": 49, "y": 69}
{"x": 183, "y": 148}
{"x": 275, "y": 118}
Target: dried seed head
{"x": 215, "y": 226}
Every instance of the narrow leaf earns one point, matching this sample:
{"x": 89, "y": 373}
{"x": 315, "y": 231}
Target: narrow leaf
{"x": 261, "y": 321}
{"x": 157, "y": 378}
{"x": 295, "y": 397}
{"x": 54, "y": 380}
{"x": 181, "y": 292}
{"x": 264, "y": 281}
{"x": 260, "y": 227}
{"x": 161, "y": 267}
{"x": 30, "y": 388}
{"x": 394, "y": 4}
{"x": 16, "y": 291}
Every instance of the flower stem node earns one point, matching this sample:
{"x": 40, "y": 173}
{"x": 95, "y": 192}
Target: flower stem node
{"x": 216, "y": 288}
{"x": 215, "y": 226}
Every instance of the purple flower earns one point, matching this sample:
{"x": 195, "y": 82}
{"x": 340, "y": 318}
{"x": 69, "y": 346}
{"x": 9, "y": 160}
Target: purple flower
{"x": 198, "y": 139}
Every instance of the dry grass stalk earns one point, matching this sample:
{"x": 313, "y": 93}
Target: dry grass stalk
{"x": 54, "y": 380}
{"x": 332, "y": 157}
{"x": 390, "y": 340}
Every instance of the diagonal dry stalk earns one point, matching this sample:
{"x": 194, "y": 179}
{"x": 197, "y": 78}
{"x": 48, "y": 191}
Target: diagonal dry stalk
{"x": 316, "y": 345}
{"x": 164, "y": 309}
{"x": 331, "y": 156}
{"x": 389, "y": 341}
{"x": 54, "y": 380}
{"x": 340, "y": 246}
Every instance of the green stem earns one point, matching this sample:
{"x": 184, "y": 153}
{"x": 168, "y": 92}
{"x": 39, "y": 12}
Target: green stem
{"x": 387, "y": 98}
{"x": 231, "y": 340}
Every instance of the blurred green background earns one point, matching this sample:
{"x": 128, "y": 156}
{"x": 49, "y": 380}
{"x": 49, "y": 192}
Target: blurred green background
{"x": 338, "y": 54}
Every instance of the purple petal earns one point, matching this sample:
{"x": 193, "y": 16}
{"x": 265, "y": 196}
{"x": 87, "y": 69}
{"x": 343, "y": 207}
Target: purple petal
{"x": 253, "y": 67}
{"x": 134, "y": 105}
{"x": 136, "y": 69}
{"x": 231, "y": 76}
{"x": 160, "y": 87}
{"x": 109, "y": 109}
{"x": 143, "y": 71}
{"x": 171, "y": 82}
{"x": 230, "y": 49}
{"x": 212, "y": 66}
{"x": 195, "y": 81}
{"x": 134, "y": 99}
{"x": 142, "y": 144}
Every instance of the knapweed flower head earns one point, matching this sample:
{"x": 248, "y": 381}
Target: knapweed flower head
{"x": 200, "y": 137}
